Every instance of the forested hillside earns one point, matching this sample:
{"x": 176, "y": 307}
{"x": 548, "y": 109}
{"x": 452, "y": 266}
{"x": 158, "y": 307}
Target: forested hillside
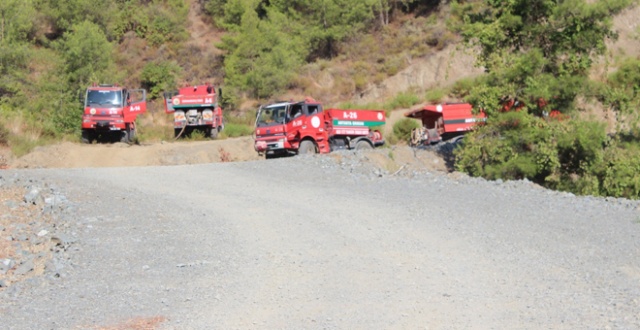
{"x": 549, "y": 56}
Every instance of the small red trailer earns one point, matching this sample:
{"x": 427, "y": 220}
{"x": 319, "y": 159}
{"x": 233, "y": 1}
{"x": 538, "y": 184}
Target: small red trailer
{"x": 443, "y": 122}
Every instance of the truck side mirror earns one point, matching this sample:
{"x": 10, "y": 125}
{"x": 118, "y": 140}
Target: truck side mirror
{"x": 81, "y": 96}
{"x": 219, "y": 93}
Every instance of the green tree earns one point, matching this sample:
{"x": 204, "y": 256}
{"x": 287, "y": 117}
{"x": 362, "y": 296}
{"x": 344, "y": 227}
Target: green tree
{"x": 87, "y": 53}
{"x": 535, "y": 49}
{"x": 539, "y": 52}
{"x": 159, "y": 76}
{"x": 64, "y": 14}
{"x": 16, "y": 21}
{"x": 159, "y": 22}
{"x": 262, "y": 58}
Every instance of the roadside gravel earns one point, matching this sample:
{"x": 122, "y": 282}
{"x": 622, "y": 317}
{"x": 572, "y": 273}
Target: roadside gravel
{"x": 326, "y": 242}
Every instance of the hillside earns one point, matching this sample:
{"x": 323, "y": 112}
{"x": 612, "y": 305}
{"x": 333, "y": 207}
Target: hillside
{"x": 399, "y": 58}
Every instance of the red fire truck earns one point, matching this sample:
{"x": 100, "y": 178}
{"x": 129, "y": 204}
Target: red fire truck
{"x": 304, "y": 127}
{"x": 110, "y": 111}
{"x": 195, "y": 108}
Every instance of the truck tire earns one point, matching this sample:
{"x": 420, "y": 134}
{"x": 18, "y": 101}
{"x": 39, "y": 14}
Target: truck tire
{"x": 363, "y": 145}
{"x": 124, "y": 136}
{"x": 457, "y": 141}
{"x": 307, "y": 147}
{"x": 87, "y": 136}
{"x": 127, "y": 134}
{"x": 213, "y": 133}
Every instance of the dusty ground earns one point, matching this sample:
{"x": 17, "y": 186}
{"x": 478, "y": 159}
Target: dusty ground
{"x": 181, "y": 152}
{"x": 74, "y": 155}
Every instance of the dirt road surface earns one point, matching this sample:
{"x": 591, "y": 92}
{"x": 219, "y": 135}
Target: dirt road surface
{"x": 327, "y": 242}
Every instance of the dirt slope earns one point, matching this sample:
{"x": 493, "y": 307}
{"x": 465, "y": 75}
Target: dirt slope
{"x": 67, "y": 155}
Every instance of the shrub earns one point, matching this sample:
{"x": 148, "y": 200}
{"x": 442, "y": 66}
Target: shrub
{"x": 402, "y": 100}
{"x": 159, "y": 76}
{"x": 236, "y": 130}
{"x": 391, "y": 139}
{"x": 4, "y": 135}
{"x": 403, "y": 127}
{"x": 621, "y": 177}
{"x": 435, "y": 95}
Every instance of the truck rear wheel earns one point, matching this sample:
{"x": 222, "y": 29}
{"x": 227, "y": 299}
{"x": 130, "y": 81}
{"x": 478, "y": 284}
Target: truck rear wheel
{"x": 307, "y": 147}
{"x": 213, "y": 133}
{"x": 363, "y": 145}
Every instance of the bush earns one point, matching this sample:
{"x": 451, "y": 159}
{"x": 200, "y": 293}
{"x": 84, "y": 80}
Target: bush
{"x": 621, "y": 177}
{"x": 403, "y": 127}
{"x": 435, "y": 95}
{"x": 575, "y": 156}
{"x": 4, "y": 135}
{"x": 391, "y": 139}
{"x": 159, "y": 76}
{"x": 402, "y": 100}
{"x": 236, "y": 130}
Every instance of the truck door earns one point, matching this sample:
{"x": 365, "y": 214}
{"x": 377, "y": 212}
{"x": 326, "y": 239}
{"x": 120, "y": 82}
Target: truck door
{"x": 135, "y": 104}
{"x": 315, "y": 121}
{"x": 294, "y": 123}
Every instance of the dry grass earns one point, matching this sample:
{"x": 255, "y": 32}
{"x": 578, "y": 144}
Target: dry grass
{"x": 155, "y": 125}
{"x": 225, "y": 156}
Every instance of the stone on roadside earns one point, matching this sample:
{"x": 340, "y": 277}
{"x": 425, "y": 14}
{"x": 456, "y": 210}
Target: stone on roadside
{"x": 25, "y": 268}
{"x": 33, "y": 196}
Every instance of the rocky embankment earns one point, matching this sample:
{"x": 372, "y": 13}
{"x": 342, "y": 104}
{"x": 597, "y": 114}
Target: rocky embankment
{"x": 35, "y": 231}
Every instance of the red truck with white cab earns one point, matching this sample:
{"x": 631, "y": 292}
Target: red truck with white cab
{"x": 305, "y": 127}
{"x": 110, "y": 111}
{"x": 195, "y": 108}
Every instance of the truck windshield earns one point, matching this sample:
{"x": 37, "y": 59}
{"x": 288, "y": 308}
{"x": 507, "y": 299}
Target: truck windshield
{"x": 110, "y": 98}
{"x": 271, "y": 116}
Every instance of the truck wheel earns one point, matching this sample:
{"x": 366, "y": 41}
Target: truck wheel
{"x": 124, "y": 137}
{"x": 213, "y": 133}
{"x": 307, "y": 147}
{"x": 132, "y": 136}
{"x": 363, "y": 145}
{"x": 457, "y": 141}
{"x": 87, "y": 137}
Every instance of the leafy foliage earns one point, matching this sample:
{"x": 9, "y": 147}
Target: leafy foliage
{"x": 236, "y": 130}
{"x": 159, "y": 76}
{"x": 87, "y": 54}
{"x": 402, "y": 100}
{"x": 16, "y": 21}
{"x": 263, "y": 58}
{"x": 534, "y": 50}
{"x": 540, "y": 54}
{"x": 159, "y": 23}
{"x": 403, "y": 127}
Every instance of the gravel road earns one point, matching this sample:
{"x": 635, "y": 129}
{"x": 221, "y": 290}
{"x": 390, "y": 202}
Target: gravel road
{"x": 321, "y": 242}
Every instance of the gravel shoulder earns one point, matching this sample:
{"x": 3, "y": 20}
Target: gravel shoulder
{"x": 332, "y": 242}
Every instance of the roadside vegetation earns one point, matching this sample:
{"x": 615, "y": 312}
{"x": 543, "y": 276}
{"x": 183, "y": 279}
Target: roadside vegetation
{"x": 334, "y": 50}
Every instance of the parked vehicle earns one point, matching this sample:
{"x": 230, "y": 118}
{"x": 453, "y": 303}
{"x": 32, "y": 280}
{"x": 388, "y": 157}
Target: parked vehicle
{"x": 110, "y": 111}
{"x": 304, "y": 127}
{"x": 443, "y": 122}
{"x": 195, "y": 108}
